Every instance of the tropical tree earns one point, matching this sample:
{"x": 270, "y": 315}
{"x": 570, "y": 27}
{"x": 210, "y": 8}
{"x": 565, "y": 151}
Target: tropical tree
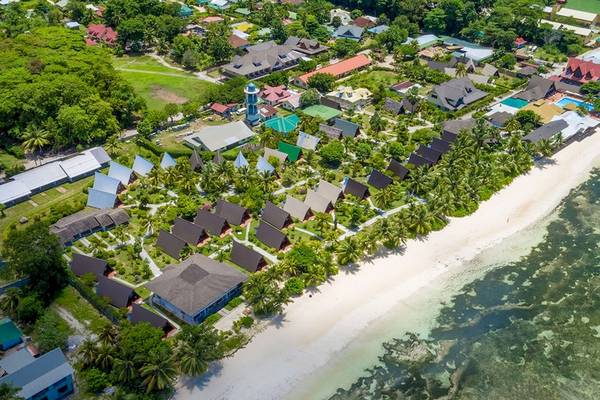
{"x": 105, "y": 357}
{"x": 349, "y": 251}
{"x": 461, "y": 70}
{"x": 158, "y": 371}
{"x": 421, "y": 219}
{"x": 322, "y": 221}
{"x": 112, "y": 145}
{"x": 125, "y": 369}
{"x": 264, "y": 294}
{"x": 544, "y": 147}
{"x": 386, "y": 196}
{"x": 109, "y": 335}
{"x": 10, "y": 301}
{"x": 35, "y": 139}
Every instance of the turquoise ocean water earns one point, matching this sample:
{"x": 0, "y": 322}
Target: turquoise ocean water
{"x": 525, "y": 329}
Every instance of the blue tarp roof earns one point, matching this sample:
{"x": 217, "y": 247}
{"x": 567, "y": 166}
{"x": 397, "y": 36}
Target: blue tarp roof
{"x": 263, "y": 165}
{"x": 142, "y": 166}
{"x": 100, "y": 199}
{"x": 106, "y": 183}
{"x": 120, "y": 172}
{"x": 167, "y": 161}
{"x": 240, "y": 161}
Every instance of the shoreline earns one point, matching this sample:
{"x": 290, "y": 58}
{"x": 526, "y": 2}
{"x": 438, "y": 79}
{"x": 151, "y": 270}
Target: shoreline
{"x": 290, "y": 349}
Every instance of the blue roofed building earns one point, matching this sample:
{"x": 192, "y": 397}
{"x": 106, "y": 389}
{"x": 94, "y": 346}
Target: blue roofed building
{"x": 262, "y": 165}
{"x": 348, "y": 128}
{"x": 13, "y": 192}
{"x": 15, "y": 361}
{"x": 120, "y": 172}
{"x": 167, "y": 161}
{"x": 106, "y": 183}
{"x": 48, "y": 377}
{"x": 376, "y": 30}
{"x": 352, "y": 32}
{"x": 100, "y": 199}
{"x": 141, "y": 166}
{"x": 10, "y": 335}
{"x": 240, "y": 161}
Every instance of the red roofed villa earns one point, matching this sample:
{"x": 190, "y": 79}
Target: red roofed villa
{"x": 581, "y": 71}
{"x": 223, "y": 110}
{"x": 101, "y": 33}
{"x": 338, "y": 70}
{"x": 520, "y": 42}
{"x": 274, "y": 95}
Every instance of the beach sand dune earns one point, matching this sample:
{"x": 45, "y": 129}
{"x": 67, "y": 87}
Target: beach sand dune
{"x": 293, "y": 348}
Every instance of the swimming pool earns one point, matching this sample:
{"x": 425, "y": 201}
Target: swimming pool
{"x": 516, "y": 103}
{"x": 562, "y": 103}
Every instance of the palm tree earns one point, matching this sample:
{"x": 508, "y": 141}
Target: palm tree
{"x": 125, "y": 369}
{"x": 88, "y": 351}
{"x": 35, "y": 139}
{"x": 461, "y": 70}
{"x": 386, "y": 196}
{"x": 544, "y": 147}
{"x": 263, "y": 293}
{"x": 109, "y": 335}
{"x": 322, "y": 222}
{"x": 112, "y": 145}
{"x": 418, "y": 180}
{"x": 349, "y": 251}
{"x": 154, "y": 177}
{"x": 10, "y": 301}
{"x": 421, "y": 220}
{"x": 191, "y": 362}
{"x": 158, "y": 372}
{"x": 105, "y": 357}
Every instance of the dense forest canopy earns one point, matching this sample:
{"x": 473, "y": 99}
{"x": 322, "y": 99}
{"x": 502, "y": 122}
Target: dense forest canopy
{"x": 51, "y": 81}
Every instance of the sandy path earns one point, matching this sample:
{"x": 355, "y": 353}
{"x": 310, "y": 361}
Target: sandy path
{"x": 313, "y": 330}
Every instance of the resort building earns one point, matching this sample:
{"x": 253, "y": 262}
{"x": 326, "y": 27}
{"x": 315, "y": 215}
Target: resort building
{"x": 356, "y": 189}
{"x": 537, "y": 88}
{"x": 245, "y": 257}
{"x": 396, "y": 168}
{"x": 170, "y": 244}
{"x": 309, "y": 47}
{"x": 196, "y": 288}
{"x": 271, "y": 236}
{"x": 455, "y": 94}
{"x": 140, "y": 314}
{"x": 349, "y": 98}
{"x": 233, "y": 213}
{"x": 212, "y": 224}
{"x": 581, "y": 17}
{"x": 585, "y": 33}
{"x": 337, "y": 70}
{"x": 275, "y": 216}
{"x": 351, "y": 32}
{"x": 82, "y": 265}
{"x": 580, "y": 71}
{"x": 262, "y": 59}
{"x": 379, "y": 180}
{"x": 118, "y": 294}
{"x": 296, "y": 208}
{"x": 83, "y": 223}
{"x": 274, "y": 95}
{"x": 49, "y": 376}
{"x": 220, "y": 137}
{"x": 546, "y": 131}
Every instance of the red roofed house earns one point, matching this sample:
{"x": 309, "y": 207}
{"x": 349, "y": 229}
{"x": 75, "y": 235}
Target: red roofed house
{"x": 223, "y": 110}
{"x": 237, "y": 42}
{"x": 338, "y": 70}
{"x": 365, "y": 22}
{"x": 101, "y": 33}
{"x": 267, "y": 111}
{"x": 274, "y": 95}
{"x": 520, "y": 42}
{"x": 581, "y": 71}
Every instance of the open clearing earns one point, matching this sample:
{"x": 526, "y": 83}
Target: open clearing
{"x": 159, "y": 85}
{"x": 592, "y": 6}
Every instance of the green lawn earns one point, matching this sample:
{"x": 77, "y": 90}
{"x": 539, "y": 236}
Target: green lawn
{"x": 8, "y": 160}
{"x": 45, "y": 201}
{"x": 83, "y": 311}
{"x": 592, "y": 6}
{"x": 160, "y": 85}
{"x": 373, "y": 79}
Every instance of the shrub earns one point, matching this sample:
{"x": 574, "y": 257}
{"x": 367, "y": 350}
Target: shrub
{"x": 51, "y": 332}
{"x": 96, "y": 380}
{"x": 294, "y": 286}
{"x": 29, "y": 309}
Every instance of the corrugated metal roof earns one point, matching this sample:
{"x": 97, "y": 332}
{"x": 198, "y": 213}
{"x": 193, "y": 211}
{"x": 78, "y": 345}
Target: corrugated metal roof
{"x": 106, "y": 183}
{"x": 80, "y": 165}
{"x": 13, "y": 190}
{"x": 42, "y": 176}
{"x": 142, "y": 166}
{"x": 100, "y": 199}
{"x": 120, "y": 172}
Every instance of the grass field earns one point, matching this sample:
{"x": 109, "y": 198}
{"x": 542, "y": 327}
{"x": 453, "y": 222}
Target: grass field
{"x": 43, "y": 202}
{"x": 159, "y": 85}
{"x": 83, "y": 311}
{"x": 592, "y": 6}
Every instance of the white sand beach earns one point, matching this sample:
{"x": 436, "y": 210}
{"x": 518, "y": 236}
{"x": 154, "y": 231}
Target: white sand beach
{"x": 293, "y": 350}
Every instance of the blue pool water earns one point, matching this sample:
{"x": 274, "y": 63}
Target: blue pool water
{"x": 516, "y": 103}
{"x": 568, "y": 100}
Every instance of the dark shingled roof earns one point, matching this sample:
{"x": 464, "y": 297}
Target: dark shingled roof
{"x": 119, "y": 294}
{"x": 449, "y": 137}
{"x": 429, "y": 154}
{"x": 211, "y": 223}
{"x": 379, "y": 180}
{"x": 271, "y": 236}
{"x": 187, "y": 231}
{"x": 546, "y": 131}
{"x": 356, "y": 188}
{"x": 397, "y": 169}
{"x": 83, "y": 222}
{"x": 196, "y": 162}
{"x": 275, "y": 216}
{"x": 234, "y": 214}
{"x": 246, "y": 258}
{"x": 440, "y": 145}
{"x": 82, "y": 264}
{"x": 456, "y": 126}
{"x": 142, "y": 314}
{"x": 170, "y": 244}
{"x": 418, "y": 161}
{"x": 499, "y": 119}
{"x": 348, "y": 128}
{"x": 195, "y": 283}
